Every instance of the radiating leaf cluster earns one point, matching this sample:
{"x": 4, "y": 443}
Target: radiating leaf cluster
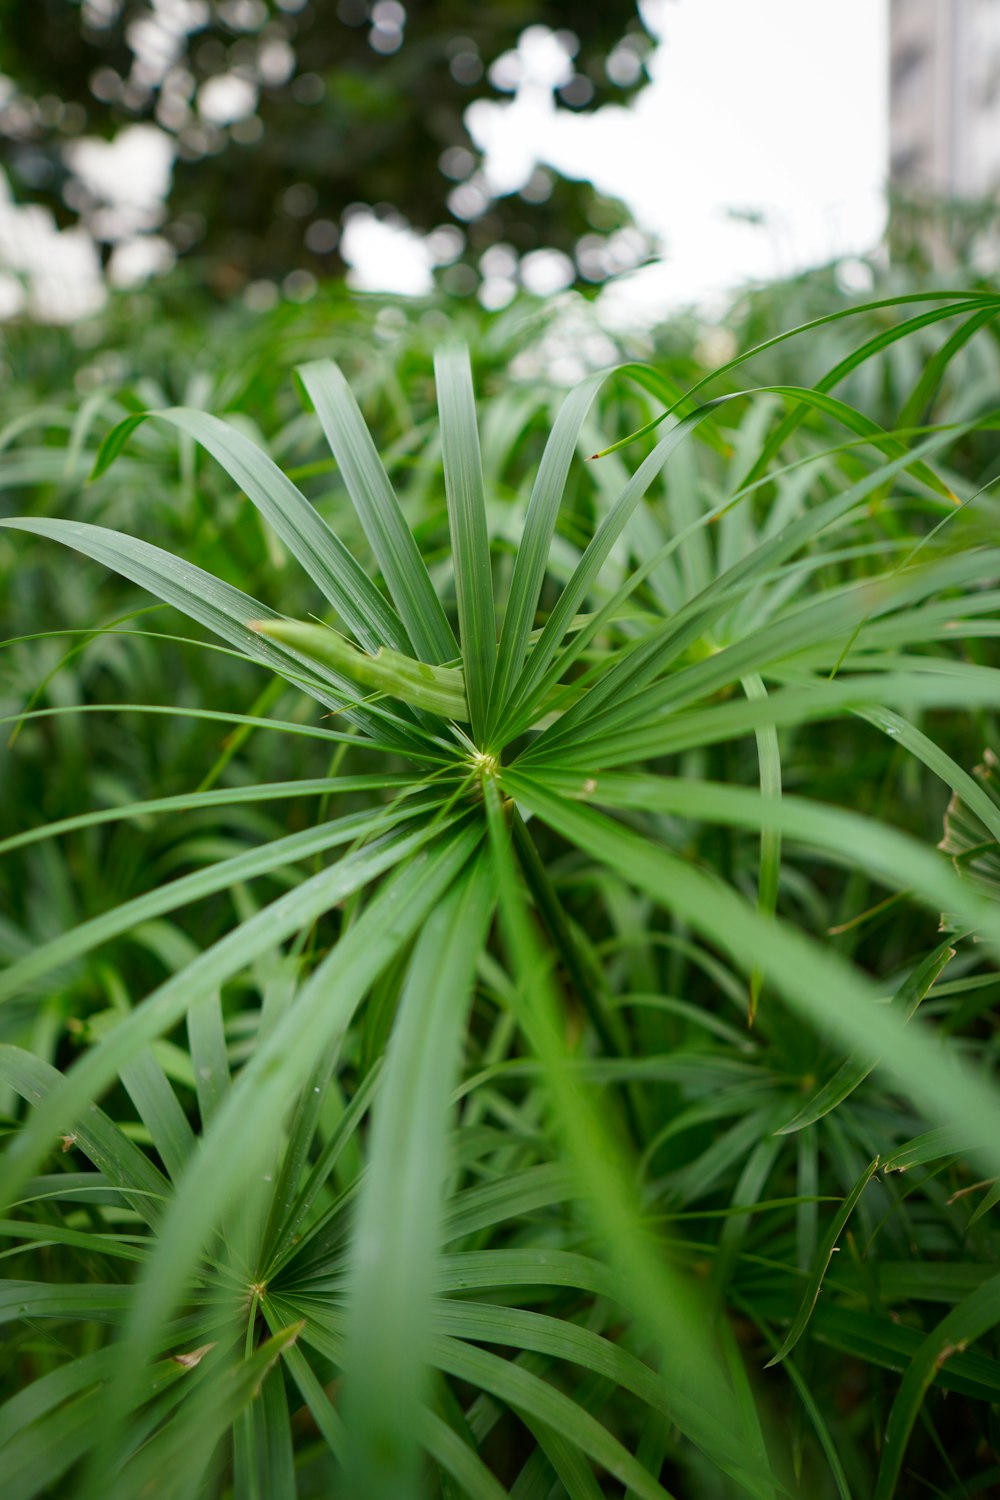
{"x": 559, "y": 1033}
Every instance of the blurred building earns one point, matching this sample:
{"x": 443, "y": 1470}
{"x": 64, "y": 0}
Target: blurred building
{"x": 944, "y": 98}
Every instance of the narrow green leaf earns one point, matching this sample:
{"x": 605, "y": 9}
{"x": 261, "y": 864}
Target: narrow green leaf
{"x": 961, "y": 299}
{"x": 854, "y": 1070}
{"x": 120, "y": 1246}
{"x": 859, "y": 356}
{"x": 809, "y": 1404}
{"x": 536, "y": 539}
{"x": 176, "y": 1458}
{"x": 569, "y": 1464}
{"x": 292, "y": 849}
{"x": 769, "y": 761}
{"x": 97, "y": 1069}
{"x": 821, "y": 1263}
{"x": 970, "y": 1320}
{"x": 438, "y": 690}
{"x": 159, "y": 1109}
{"x": 283, "y": 1237}
{"x": 459, "y": 1460}
{"x": 209, "y": 1059}
{"x": 626, "y": 687}
{"x": 517, "y": 1194}
{"x": 658, "y": 1293}
{"x": 565, "y": 1340}
{"x": 120, "y": 1162}
{"x": 322, "y": 554}
{"x": 217, "y": 605}
{"x": 463, "y": 479}
{"x": 524, "y": 1391}
{"x": 932, "y": 1146}
{"x": 264, "y": 1467}
{"x": 891, "y": 1345}
{"x": 595, "y": 555}
{"x": 669, "y": 733}
{"x": 399, "y": 1216}
{"x": 378, "y": 509}
{"x": 936, "y": 367}
{"x": 319, "y": 1016}
{"x": 840, "y": 1002}
{"x": 442, "y": 1443}
{"x": 230, "y": 796}
{"x": 39, "y": 1455}
{"x": 89, "y": 1300}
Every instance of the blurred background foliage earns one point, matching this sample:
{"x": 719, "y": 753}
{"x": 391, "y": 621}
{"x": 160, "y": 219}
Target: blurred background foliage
{"x": 280, "y": 117}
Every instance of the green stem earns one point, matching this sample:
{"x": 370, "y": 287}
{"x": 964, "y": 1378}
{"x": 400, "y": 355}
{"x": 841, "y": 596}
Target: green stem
{"x": 583, "y": 974}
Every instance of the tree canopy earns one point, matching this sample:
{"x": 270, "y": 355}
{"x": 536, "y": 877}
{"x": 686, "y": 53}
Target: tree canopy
{"x": 276, "y": 118}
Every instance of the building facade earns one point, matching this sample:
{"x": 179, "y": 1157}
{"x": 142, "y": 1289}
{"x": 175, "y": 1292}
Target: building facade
{"x": 944, "y": 101}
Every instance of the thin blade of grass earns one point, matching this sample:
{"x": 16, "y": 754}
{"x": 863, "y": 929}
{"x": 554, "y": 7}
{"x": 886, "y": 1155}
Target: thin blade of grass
{"x": 319, "y": 1016}
{"x": 160, "y": 1111}
{"x": 118, "y": 1159}
{"x": 910, "y": 691}
{"x": 962, "y": 300}
{"x": 264, "y": 1461}
{"x": 231, "y": 796}
{"x": 868, "y": 350}
{"x": 818, "y": 400}
{"x": 641, "y": 665}
{"x": 590, "y": 564}
{"x": 209, "y": 1058}
{"x": 523, "y": 1391}
{"x": 176, "y": 1458}
{"x": 284, "y": 1231}
{"x": 23, "y": 976}
{"x": 936, "y": 367}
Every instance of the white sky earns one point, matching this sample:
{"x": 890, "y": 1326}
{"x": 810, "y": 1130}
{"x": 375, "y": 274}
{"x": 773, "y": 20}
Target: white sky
{"x": 777, "y": 106}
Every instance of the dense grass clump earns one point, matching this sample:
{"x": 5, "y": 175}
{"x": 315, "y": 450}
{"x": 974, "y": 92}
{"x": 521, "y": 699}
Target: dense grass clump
{"x": 501, "y": 943}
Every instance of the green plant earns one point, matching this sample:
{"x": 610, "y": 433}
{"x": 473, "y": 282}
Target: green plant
{"x": 528, "y": 943}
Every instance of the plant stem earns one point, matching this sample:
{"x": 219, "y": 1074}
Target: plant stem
{"x": 583, "y": 974}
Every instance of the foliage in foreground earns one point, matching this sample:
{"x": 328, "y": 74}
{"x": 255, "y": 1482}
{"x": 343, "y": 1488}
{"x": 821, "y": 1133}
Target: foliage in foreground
{"x": 413, "y": 1135}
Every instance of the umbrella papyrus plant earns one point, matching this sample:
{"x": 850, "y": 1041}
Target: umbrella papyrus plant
{"x": 404, "y": 1152}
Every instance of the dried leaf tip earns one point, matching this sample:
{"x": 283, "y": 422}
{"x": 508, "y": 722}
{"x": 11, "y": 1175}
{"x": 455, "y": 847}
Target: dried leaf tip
{"x": 193, "y": 1357}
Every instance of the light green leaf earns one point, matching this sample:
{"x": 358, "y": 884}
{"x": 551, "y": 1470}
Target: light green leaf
{"x": 378, "y": 509}
{"x": 320, "y": 551}
{"x": 437, "y": 690}
{"x": 400, "y": 1210}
